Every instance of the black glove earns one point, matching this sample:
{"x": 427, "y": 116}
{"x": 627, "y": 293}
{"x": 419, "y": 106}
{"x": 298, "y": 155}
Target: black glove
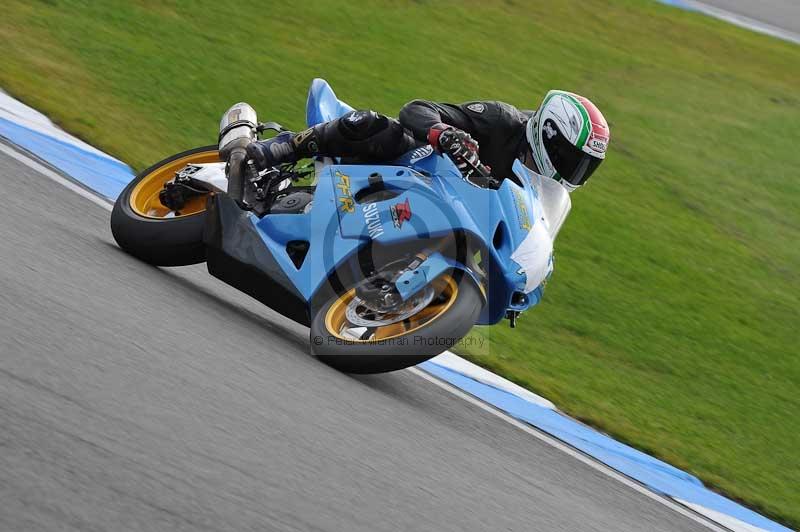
{"x": 462, "y": 148}
{"x": 448, "y": 139}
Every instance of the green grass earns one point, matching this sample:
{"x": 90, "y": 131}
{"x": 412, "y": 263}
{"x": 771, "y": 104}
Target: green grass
{"x": 671, "y": 321}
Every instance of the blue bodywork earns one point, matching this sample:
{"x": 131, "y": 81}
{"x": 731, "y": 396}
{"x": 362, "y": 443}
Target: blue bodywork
{"x": 431, "y": 199}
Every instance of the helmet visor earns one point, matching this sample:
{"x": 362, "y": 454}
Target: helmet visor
{"x": 572, "y": 164}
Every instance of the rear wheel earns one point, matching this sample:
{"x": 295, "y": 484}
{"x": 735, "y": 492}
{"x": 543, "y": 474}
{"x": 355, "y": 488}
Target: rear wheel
{"x": 348, "y": 336}
{"x": 154, "y": 233}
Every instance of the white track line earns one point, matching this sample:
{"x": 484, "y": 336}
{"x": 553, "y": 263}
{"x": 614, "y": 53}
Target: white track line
{"x": 542, "y": 436}
{"x": 30, "y": 162}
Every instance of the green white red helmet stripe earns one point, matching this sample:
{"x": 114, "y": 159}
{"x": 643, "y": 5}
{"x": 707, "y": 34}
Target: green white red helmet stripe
{"x": 586, "y": 127}
{"x": 599, "y": 133}
{"x": 593, "y": 123}
{"x": 579, "y": 122}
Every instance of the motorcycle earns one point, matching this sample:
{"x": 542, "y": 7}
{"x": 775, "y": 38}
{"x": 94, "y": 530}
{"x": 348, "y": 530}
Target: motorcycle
{"x": 387, "y": 264}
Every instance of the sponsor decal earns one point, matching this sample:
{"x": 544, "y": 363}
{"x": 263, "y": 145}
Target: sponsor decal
{"x": 476, "y": 107}
{"x": 598, "y": 145}
{"x": 522, "y": 211}
{"x": 420, "y": 153}
{"x": 346, "y": 202}
{"x": 401, "y": 212}
{"x": 372, "y": 219}
{"x": 306, "y": 136}
{"x": 356, "y": 116}
{"x": 598, "y": 142}
{"x": 302, "y": 136}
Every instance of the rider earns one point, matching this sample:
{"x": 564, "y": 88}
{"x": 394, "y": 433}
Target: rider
{"x": 565, "y": 139}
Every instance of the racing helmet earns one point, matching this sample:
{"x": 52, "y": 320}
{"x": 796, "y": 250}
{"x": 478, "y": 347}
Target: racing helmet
{"x": 568, "y": 138}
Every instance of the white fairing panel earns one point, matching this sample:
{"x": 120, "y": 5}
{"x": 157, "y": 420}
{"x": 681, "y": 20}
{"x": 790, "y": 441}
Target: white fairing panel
{"x": 552, "y": 197}
{"x": 555, "y": 202}
{"x": 535, "y": 256}
{"x": 551, "y": 207}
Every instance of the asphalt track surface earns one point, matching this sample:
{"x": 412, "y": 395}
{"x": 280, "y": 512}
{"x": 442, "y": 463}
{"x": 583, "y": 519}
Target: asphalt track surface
{"x": 138, "y": 398}
{"x": 783, "y": 14}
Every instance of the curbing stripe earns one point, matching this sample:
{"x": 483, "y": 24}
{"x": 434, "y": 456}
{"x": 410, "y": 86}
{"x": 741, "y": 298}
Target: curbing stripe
{"x": 658, "y": 476}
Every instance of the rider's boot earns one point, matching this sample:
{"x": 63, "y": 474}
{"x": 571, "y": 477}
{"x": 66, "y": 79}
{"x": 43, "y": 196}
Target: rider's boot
{"x": 273, "y": 152}
{"x": 286, "y": 147}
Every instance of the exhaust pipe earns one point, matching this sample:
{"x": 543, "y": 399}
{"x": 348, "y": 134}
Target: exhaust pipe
{"x": 237, "y": 130}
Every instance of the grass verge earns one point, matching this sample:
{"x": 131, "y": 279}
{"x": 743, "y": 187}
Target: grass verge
{"x": 671, "y": 321}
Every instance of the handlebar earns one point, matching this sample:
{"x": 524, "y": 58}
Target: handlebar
{"x": 474, "y": 170}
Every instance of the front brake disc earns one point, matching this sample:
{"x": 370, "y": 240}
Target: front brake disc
{"x": 360, "y": 315}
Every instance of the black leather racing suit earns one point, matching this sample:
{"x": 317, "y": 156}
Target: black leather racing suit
{"x": 498, "y": 127}
{"x": 367, "y": 136}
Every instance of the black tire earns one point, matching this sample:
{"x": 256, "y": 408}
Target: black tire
{"x": 159, "y": 241}
{"x": 380, "y": 357}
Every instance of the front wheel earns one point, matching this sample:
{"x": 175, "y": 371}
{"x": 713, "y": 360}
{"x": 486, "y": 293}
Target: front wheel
{"x": 147, "y": 229}
{"x": 347, "y": 336}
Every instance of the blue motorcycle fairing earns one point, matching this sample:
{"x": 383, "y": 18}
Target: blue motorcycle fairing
{"x": 337, "y": 225}
{"x": 420, "y": 208}
{"x": 327, "y": 251}
{"x": 429, "y": 198}
{"x": 322, "y": 104}
{"x": 412, "y": 281}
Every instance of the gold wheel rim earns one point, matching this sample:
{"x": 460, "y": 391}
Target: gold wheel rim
{"x": 336, "y": 319}
{"x": 144, "y": 196}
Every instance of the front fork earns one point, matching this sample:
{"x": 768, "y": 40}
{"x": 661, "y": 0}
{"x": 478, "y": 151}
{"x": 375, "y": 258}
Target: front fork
{"x": 404, "y": 284}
